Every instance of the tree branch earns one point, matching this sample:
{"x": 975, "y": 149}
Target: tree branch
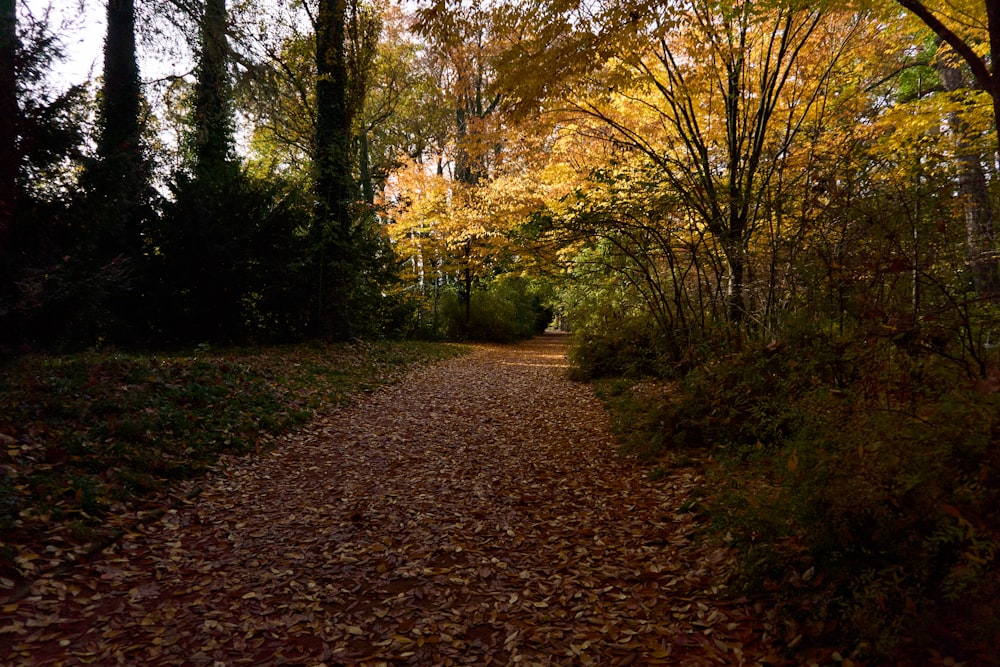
{"x": 976, "y": 64}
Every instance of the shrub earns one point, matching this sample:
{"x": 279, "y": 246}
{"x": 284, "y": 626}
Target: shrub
{"x": 900, "y": 509}
{"x": 508, "y": 311}
{"x": 895, "y": 503}
{"x": 626, "y": 347}
{"x": 861, "y": 484}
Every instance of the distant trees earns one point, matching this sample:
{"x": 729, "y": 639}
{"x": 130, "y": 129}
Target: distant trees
{"x": 981, "y": 233}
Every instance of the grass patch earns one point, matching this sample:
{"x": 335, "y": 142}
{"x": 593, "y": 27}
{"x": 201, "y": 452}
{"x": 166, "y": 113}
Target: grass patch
{"x": 84, "y": 435}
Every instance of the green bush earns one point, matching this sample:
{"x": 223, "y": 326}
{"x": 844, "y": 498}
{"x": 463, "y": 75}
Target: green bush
{"x": 861, "y": 484}
{"x": 507, "y": 311}
{"x": 229, "y": 263}
{"x": 894, "y": 502}
{"x": 626, "y": 347}
{"x": 901, "y": 511}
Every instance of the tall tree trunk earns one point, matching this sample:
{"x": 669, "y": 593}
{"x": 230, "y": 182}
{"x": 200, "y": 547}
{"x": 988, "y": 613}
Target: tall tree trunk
{"x": 121, "y": 178}
{"x": 468, "y": 282}
{"x": 120, "y": 130}
{"x": 213, "y": 124}
{"x": 9, "y": 156}
{"x": 980, "y": 227}
{"x": 332, "y": 163}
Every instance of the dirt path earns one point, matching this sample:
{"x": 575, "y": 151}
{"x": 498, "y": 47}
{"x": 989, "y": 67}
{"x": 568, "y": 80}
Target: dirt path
{"x": 476, "y": 513}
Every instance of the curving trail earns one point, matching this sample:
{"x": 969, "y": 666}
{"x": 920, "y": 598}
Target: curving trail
{"x": 475, "y": 513}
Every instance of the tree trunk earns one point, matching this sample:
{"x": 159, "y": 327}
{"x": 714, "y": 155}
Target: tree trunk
{"x": 365, "y": 170}
{"x": 120, "y": 102}
{"x": 980, "y": 229}
{"x": 332, "y": 163}
{"x": 735, "y": 255}
{"x": 468, "y": 282}
{"x": 9, "y": 158}
{"x": 120, "y": 179}
{"x": 213, "y": 125}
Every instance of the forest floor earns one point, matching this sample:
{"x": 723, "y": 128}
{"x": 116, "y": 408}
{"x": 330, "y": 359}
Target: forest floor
{"x": 475, "y": 513}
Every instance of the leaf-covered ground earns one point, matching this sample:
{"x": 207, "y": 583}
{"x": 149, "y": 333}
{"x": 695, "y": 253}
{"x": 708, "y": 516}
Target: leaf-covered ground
{"x": 474, "y": 513}
{"x": 88, "y": 436}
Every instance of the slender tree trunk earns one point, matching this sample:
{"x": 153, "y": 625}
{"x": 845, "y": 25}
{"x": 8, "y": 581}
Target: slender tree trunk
{"x": 120, "y": 103}
{"x": 365, "y": 170}
{"x": 332, "y": 163}
{"x": 735, "y": 288}
{"x": 9, "y": 156}
{"x": 468, "y": 282}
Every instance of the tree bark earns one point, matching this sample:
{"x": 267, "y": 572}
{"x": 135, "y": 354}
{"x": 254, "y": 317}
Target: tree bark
{"x": 213, "y": 125}
{"x": 332, "y": 164}
{"x": 120, "y": 104}
{"x": 9, "y": 156}
{"x": 120, "y": 179}
{"x": 980, "y": 228}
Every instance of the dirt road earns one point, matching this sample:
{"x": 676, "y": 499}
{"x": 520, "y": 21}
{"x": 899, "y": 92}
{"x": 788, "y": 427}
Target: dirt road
{"x": 476, "y": 513}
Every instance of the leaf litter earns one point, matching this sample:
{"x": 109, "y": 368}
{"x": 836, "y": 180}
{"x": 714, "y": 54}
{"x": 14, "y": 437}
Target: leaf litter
{"x": 475, "y": 513}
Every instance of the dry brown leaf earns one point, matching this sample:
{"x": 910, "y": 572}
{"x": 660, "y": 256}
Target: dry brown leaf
{"x": 476, "y": 513}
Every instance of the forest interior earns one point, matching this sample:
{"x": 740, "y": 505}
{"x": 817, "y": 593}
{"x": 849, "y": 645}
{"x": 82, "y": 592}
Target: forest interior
{"x": 281, "y": 271}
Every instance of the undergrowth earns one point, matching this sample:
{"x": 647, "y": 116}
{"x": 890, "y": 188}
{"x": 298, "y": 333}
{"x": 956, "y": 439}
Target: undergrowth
{"x": 861, "y": 485}
{"x": 83, "y": 435}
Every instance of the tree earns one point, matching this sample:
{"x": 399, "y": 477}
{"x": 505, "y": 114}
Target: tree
{"x": 462, "y": 39}
{"x": 713, "y": 94}
{"x": 985, "y": 70}
{"x": 981, "y": 241}
{"x": 212, "y": 114}
{"x": 333, "y": 182}
{"x": 119, "y": 179}
{"x": 980, "y": 226}
{"x": 9, "y": 157}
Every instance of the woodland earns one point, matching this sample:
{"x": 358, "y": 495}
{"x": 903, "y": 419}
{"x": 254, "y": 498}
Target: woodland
{"x": 770, "y": 226}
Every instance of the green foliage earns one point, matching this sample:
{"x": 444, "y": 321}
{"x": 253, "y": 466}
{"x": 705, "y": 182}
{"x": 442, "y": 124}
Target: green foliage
{"x": 619, "y": 348}
{"x": 377, "y": 309}
{"x": 638, "y": 411}
{"x": 228, "y": 262}
{"x": 41, "y": 281}
{"x": 899, "y": 508}
{"x": 861, "y": 483}
{"x": 507, "y": 311}
{"x": 80, "y": 434}
{"x": 615, "y": 335}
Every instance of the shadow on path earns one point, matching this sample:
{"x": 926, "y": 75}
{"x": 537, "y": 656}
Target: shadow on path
{"x": 475, "y": 513}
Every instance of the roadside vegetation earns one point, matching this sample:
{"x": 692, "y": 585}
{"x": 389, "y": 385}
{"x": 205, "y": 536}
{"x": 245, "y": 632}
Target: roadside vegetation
{"x": 859, "y": 484}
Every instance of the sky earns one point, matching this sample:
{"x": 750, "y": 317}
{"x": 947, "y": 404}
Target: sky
{"x": 82, "y": 33}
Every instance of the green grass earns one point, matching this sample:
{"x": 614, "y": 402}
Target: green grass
{"x": 82, "y": 436}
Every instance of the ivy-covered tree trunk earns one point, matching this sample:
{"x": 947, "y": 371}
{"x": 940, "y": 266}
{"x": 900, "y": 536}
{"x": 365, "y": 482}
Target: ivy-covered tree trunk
{"x": 334, "y": 182}
{"x": 9, "y": 158}
{"x": 112, "y": 217}
{"x": 203, "y": 242}
{"x": 120, "y": 180}
{"x": 212, "y": 114}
